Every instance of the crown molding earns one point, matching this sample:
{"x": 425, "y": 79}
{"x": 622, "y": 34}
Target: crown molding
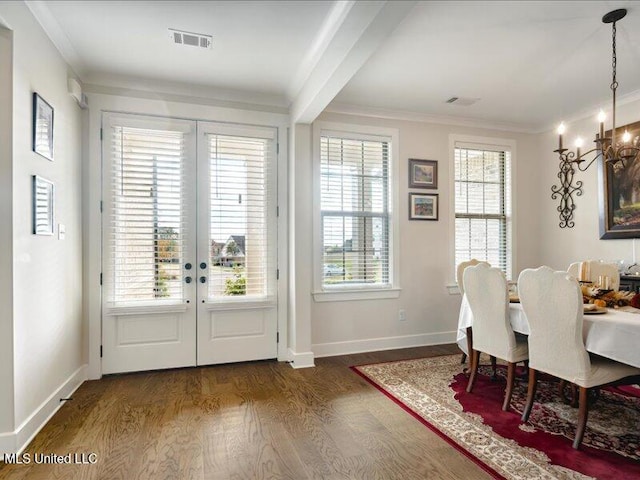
{"x": 591, "y": 111}
{"x": 392, "y": 114}
{"x": 56, "y": 34}
{"x": 182, "y": 98}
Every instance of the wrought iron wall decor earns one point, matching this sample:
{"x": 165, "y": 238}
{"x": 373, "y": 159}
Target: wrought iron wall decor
{"x": 614, "y": 154}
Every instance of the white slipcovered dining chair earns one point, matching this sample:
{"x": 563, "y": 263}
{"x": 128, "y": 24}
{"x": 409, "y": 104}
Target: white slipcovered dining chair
{"x": 459, "y": 272}
{"x": 592, "y": 269}
{"x": 486, "y": 290}
{"x": 552, "y": 302}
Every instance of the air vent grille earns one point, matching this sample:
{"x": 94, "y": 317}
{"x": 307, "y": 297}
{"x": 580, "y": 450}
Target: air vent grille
{"x": 189, "y": 38}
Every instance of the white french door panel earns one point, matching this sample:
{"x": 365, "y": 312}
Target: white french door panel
{"x": 189, "y": 243}
{"x": 149, "y": 243}
{"x": 237, "y": 243}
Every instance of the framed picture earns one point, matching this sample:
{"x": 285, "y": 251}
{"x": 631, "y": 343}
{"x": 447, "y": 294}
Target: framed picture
{"x": 42, "y": 206}
{"x": 42, "y": 138}
{"x": 423, "y": 206}
{"x": 423, "y": 173}
{"x": 619, "y": 192}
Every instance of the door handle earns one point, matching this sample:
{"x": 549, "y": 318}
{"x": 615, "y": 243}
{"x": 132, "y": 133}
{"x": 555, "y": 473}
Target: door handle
{"x": 187, "y": 279}
{"x": 203, "y": 265}
{"x": 187, "y": 266}
{"x": 203, "y": 279}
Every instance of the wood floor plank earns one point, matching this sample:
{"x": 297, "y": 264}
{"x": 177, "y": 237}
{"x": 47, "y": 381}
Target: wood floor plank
{"x": 257, "y": 420}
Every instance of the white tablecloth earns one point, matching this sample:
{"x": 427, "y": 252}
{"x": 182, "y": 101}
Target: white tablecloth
{"x": 615, "y": 334}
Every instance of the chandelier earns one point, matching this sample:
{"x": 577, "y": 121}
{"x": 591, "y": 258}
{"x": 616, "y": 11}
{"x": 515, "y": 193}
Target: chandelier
{"x": 614, "y": 153}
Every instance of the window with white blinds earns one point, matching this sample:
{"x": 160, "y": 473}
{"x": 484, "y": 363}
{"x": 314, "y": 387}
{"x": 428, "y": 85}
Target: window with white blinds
{"x": 147, "y": 229}
{"x": 355, "y": 211}
{"x": 482, "y": 184}
{"x": 241, "y": 204}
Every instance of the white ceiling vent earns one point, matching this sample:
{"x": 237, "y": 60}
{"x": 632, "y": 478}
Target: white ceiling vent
{"x": 189, "y": 38}
{"x": 462, "y": 101}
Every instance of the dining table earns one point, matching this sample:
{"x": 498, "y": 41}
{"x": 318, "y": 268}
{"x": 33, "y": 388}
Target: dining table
{"x": 614, "y": 334}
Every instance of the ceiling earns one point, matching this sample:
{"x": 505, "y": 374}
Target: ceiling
{"x": 529, "y": 64}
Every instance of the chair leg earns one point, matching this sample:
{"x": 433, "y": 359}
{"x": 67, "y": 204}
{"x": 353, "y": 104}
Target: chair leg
{"x": 531, "y": 393}
{"x": 463, "y": 359}
{"x": 583, "y": 413}
{"x": 475, "y": 360}
{"x": 511, "y": 373}
{"x": 494, "y": 377}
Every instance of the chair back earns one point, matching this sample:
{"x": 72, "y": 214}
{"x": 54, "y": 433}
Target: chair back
{"x": 592, "y": 269}
{"x": 552, "y": 302}
{"x": 486, "y": 291}
{"x": 460, "y": 271}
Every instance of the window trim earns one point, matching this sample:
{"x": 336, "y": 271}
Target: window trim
{"x": 480, "y": 143}
{"x": 361, "y": 292}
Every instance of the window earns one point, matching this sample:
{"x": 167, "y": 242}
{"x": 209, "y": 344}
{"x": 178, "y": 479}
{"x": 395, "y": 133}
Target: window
{"x": 148, "y": 237}
{"x": 482, "y": 184}
{"x": 241, "y": 236}
{"x": 355, "y": 218}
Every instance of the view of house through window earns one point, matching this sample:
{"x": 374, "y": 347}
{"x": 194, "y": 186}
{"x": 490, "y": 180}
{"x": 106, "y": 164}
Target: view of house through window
{"x": 482, "y": 206}
{"x": 150, "y": 227}
{"x": 238, "y": 202}
{"x": 355, "y": 220}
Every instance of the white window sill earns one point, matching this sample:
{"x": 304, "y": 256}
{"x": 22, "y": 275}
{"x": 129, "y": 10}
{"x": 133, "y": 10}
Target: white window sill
{"x": 349, "y": 295}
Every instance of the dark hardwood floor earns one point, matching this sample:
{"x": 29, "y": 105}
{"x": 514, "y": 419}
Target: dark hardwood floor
{"x": 258, "y": 420}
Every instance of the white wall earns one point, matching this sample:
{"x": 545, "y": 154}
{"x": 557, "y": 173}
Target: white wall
{"x": 6, "y": 240}
{"x": 561, "y": 246}
{"x": 47, "y": 281}
{"x": 426, "y": 263}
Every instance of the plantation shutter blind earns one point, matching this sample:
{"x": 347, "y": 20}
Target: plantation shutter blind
{"x": 242, "y": 203}
{"x": 482, "y": 206}
{"x": 147, "y": 218}
{"x": 355, "y": 217}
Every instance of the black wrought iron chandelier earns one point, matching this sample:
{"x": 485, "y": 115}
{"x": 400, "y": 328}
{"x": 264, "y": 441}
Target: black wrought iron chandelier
{"x": 614, "y": 153}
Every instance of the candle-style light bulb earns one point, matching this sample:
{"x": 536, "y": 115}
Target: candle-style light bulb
{"x": 561, "y": 130}
{"x": 601, "y": 119}
{"x": 626, "y": 137}
{"x": 579, "y": 143}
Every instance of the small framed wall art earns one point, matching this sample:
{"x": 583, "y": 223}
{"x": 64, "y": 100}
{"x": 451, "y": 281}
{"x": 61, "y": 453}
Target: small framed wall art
{"x": 423, "y": 206}
{"x": 42, "y": 206}
{"x": 42, "y": 131}
{"x": 423, "y": 173}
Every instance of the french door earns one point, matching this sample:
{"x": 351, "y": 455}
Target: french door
{"x": 189, "y": 243}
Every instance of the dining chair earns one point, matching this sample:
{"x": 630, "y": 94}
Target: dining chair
{"x": 593, "y": 269}
{"x": 459, "y": 272}
{"x": 486, "y": 290}
{"x": 552, "y": 303}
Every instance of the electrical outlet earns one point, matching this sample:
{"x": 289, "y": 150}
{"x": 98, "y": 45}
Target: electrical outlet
{"x": 402, "y": 316}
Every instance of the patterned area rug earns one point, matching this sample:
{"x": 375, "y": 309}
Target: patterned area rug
{"x": 433, "y": 390}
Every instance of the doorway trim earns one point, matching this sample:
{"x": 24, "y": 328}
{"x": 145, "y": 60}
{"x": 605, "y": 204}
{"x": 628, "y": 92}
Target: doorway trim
{"x": 92, "y": 196}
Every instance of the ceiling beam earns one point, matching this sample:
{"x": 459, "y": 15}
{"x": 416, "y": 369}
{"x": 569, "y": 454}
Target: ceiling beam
{"x": 352, "y": 32}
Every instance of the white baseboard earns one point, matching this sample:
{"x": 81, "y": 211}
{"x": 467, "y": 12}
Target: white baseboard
{"x": 385, "y": 343}
{"x": 15, "y": 442}
{"x": 301, "y": 360}
{"x": 7, "y": 444}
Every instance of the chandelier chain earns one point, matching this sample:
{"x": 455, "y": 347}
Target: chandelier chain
{"x": 614, "y": 60}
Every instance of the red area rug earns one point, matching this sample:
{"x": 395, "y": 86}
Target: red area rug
{"x": 433, "y": 391}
